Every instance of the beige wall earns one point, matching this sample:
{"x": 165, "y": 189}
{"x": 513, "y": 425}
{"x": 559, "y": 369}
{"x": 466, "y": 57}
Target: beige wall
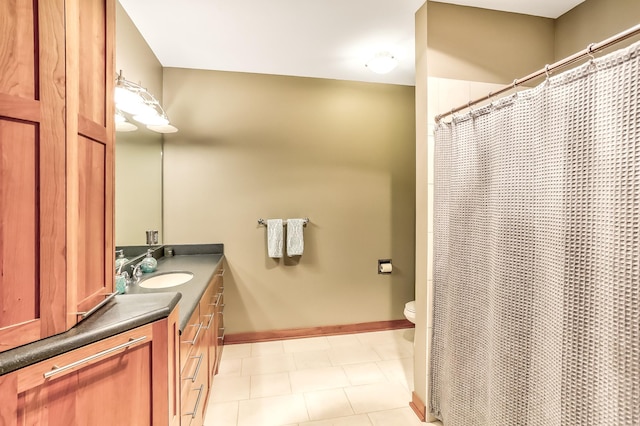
{"x": 138, "y": 201}
{"x": 467, "y": 43}
{"x": 594, "y": 21}
{"x": 263, "y": 146}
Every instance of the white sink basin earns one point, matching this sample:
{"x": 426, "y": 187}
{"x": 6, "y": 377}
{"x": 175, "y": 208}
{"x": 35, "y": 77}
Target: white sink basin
{"x": 167, "y": 279}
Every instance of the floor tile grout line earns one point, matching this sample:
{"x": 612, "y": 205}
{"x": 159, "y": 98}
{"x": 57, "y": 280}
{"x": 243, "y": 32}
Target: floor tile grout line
{"x": 306, "y": 406}
{"x": 243, "y": 370}
{"x": 238, "y": 413}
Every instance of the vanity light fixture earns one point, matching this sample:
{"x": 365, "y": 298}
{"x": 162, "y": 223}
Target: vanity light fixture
{"x": 133, "y": 99}
{"x": 382, "y": 63}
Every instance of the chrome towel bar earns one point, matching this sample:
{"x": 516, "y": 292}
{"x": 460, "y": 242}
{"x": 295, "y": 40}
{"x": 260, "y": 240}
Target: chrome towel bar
{"x": 284, "y": 222}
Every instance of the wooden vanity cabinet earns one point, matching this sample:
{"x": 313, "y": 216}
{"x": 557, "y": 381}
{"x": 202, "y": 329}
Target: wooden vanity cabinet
{"x": 200, "y": 351}
{"x": 127, "y": 379}
{"x": 56, "y": 168}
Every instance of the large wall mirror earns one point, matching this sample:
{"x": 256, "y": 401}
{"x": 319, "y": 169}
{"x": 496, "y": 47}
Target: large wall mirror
{"x": 138, "y": 186}
{"x": 138, "y": 159}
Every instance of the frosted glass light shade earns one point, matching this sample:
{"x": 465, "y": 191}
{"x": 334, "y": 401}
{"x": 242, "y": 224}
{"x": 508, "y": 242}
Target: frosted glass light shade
{"x": 128, "y": 101}
{"x": 382, "y": 63}
{"x": 125, "y": 126}
{"x": 151, "y": 119}
{"x": 167, "y": 128}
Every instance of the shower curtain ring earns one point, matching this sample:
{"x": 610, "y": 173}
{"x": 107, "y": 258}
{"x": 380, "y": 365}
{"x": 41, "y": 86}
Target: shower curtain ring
{"x": 515, "y": 83}
{"x": 471, "y": 111}
{"x": 546, "y": 70}
{"x": 590, "y": 51}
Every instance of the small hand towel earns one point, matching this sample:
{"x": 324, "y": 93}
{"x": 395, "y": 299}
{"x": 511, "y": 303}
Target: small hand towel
{"x": 274, "y": 237}
{"x": 295, "y": 238}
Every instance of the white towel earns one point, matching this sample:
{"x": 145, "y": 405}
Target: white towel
{"x": 295, "y": 238}
{"x": 274, "y": 237}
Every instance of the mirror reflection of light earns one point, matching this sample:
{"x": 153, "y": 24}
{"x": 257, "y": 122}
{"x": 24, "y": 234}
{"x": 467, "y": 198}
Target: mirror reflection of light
{"x": 133, "y": 99}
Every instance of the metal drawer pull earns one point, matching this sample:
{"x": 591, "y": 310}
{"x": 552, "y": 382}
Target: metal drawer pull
{"x": 195, "y": 338}
{"x": 221, "y": 274}
{"x": 195, "y": 408}
{"x": 221, "y": 330}
{"x": 99, "y": 305}
{"x": 195, "y": 373}
{"x": 210, "y": 321}
{"x": 57, "y": 370}
{"x": 217, "y": 300}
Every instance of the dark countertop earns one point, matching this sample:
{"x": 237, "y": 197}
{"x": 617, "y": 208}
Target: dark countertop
{"x": 201, "y": 265}
{"x": 122, "y": 313}
{"x": 137, "y": 307}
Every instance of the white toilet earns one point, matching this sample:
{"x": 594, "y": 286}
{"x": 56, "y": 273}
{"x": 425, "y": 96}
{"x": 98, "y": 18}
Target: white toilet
{"x": 410, "y": 311}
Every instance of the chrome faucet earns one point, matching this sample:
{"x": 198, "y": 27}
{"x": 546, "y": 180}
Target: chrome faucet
{"x": 136, "y": 273}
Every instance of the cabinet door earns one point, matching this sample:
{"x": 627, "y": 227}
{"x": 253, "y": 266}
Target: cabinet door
{"x": 32, "y": 171}
{"x": 115, "y": 388}
{"x": 90, "y": 26}
{"x": 128, "y": 379}
{"x": 166, "y": 370}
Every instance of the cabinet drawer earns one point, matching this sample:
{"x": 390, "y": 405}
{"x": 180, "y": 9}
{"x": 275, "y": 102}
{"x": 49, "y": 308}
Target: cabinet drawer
{"x": 191, "y": 335}
{"x": 194, "y": 385}
{"x": 66, "y": 363}
{"x": 196, "y": 361}
{"x": 207, "y": 307}
{"x": 193, "y": 405}
{"x": 219, "y": 280}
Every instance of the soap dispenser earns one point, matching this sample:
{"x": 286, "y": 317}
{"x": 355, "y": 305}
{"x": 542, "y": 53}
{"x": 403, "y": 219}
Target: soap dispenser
{"x": 120, "y": 260}
{"x": 121, "y": 277}
{"x": 149, "y": 263}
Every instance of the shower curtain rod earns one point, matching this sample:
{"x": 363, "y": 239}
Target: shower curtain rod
{"x": 589, "y": 51}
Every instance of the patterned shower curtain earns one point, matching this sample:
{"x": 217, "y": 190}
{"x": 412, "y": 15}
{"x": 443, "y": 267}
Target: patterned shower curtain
{"x": 537, "y": 254}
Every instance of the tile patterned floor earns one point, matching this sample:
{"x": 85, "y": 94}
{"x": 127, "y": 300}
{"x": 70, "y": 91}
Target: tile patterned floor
{"x": 349, "y": 380}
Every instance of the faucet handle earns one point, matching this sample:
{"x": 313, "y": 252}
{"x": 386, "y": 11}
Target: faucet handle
{"x": 136, "y": 271}
{"x": 126, "y": 277}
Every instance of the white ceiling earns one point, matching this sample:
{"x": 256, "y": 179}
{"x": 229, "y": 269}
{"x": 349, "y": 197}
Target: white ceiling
{"x": 545, "y": 8}
{"x": 309, "y": 38}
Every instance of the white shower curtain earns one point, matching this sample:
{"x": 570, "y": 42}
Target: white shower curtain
{"x": 537, "y": 254}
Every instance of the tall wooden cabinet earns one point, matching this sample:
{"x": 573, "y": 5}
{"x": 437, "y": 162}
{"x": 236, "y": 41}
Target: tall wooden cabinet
{"x": 56, "y": 164}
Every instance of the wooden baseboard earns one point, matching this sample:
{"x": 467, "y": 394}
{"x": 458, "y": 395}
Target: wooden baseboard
{"x": 330, "y": 330}
{"x": 418, "y": 407}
